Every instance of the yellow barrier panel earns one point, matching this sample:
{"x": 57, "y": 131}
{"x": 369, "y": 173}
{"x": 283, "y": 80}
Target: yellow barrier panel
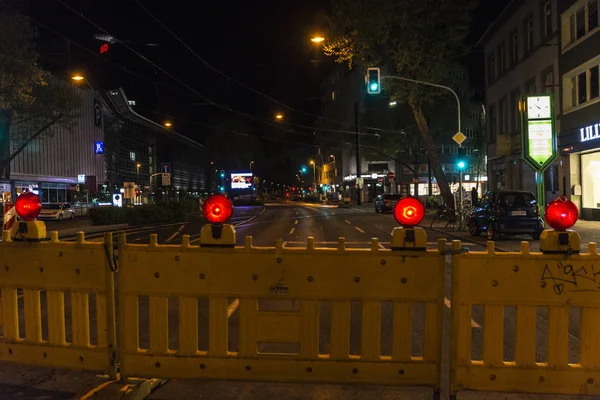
{"x": 46, "y": 290}
{"x": 533, "y": 296}
{"x": 281, "y": 314}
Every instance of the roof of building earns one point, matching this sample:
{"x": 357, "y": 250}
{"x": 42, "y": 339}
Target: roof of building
{"x": 510, "y": 8}
{"x": 119, "y": 101}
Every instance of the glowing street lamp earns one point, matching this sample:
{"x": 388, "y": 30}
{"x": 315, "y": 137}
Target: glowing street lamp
{"x": 77, "y": 78}
{"x": 317, "y": 39}
{"x": 168, "y": 124}
{"x": 279, "y": 116}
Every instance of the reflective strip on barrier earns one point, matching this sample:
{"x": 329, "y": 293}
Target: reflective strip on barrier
{"x": 525, "y": 281}
{"x": 50, "y": 286}
{"x": 276, "y": 314}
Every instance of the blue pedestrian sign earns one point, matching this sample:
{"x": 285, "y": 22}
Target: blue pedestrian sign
{"x": 165, "y": 168}
{"x": 99, "y": 147}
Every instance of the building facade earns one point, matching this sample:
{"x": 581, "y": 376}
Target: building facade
{"x": 521, "y": 57}
{"x": 579, "y": 141}
{"x": 138, "y": 150}
{"x": 52, "y": 164}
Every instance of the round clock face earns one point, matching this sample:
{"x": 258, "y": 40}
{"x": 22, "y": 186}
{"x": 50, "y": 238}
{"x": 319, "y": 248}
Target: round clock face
{"x": 538, "y": 107}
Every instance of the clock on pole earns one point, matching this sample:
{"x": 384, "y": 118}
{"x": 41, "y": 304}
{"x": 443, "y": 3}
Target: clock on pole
{"x": 538, "y": 133}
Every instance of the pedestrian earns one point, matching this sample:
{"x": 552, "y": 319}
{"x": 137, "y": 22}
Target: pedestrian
{"x": 474, "y": 196}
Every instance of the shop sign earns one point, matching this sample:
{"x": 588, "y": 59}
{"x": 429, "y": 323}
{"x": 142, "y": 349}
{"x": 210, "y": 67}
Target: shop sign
{"x": 590, "y": 133}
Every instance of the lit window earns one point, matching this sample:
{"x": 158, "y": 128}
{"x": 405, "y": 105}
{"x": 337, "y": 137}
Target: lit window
{"x": 333, "y": 95}
{"x": 132, "y": 156}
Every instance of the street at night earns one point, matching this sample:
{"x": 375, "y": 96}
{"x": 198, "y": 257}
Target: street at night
{"x": 320, "y": 200}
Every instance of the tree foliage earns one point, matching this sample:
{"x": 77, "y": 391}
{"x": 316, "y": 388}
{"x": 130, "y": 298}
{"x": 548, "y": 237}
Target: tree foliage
{"x": 32, "y": 102}
{"x": 415, "y": 39}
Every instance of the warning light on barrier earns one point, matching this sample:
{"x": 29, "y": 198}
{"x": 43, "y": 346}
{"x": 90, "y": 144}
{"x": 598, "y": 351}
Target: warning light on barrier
{"x": 409, "y": 211}
{"x": 561, "y": 214}
{"x": 217, "y": 209}
{"x": 28, "y": 206}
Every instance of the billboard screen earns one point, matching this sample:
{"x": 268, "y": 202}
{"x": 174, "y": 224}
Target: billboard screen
{"x": 241, "y": 180}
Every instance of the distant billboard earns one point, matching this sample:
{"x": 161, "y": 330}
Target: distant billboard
{"x": 241, "y": 180}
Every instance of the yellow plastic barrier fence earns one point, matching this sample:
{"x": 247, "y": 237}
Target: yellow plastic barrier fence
{"x": 281, "y": 314}
{"x": 531, "y": 298}
{"x": 47, "y": 290}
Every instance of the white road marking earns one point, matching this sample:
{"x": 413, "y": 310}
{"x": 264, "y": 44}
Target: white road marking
{"x": 448, "y": 304}
{"x": 358, "y": 229}
{"x": 348, "y": 222}
{"x": 292, "y": 231}
{"x": 181, "y": 228}
{"x": 296, "y": 222}
{"x": 172, "y": 236}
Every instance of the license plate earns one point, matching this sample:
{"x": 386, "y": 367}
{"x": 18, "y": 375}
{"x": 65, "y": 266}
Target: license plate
{"x": 518, "y": 213}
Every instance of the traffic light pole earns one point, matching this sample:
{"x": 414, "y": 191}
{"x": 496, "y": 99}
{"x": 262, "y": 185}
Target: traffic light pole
{"x": 434, "y": 85}
{"x": 358, "y": 174}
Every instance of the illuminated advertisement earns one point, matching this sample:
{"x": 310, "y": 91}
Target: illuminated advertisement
{"x": 241, "y": 180}
{"x": 540, "y": 141}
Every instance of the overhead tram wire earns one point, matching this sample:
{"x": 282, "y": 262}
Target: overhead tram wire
{"x": 191, "y": 89}
{"x": 193, "y": 92}
{"x": 209, "y": 66}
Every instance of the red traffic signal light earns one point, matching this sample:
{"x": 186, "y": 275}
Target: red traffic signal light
{"x": 217, "y": 209}
{"x": 561, "y": 214}
{"x": 409, "y": 212}
{"x": 28, "y": 206}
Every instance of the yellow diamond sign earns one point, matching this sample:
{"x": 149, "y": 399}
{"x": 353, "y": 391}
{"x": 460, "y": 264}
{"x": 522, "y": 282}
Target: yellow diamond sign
{"x": 459, "y": 138}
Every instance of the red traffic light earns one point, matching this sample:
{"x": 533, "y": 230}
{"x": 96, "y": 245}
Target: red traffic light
{"x": 561, "y": 214}
{"x": 409, "y": 211}
{"x": 28, "y": 206}
{"x": 217, "y": 209}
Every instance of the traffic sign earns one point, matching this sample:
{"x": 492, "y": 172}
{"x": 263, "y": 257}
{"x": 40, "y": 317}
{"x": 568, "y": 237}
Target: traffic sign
{"x": 166, "y": 179}
{"x": 165, "y": 168}
{"x": 459, "y": 138}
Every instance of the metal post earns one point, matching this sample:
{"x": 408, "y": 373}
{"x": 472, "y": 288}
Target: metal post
{"x": 434, "y": 85}
{"x": 430, "y": 186}
{"x": 358, "y": 174}
{"x": 460, "y": 200}
{"x": 541, "y": 191}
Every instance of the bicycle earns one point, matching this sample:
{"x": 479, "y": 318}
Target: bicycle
{"x": 444, "y": 213}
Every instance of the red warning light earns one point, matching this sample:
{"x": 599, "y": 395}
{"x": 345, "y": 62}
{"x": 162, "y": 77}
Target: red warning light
{"x": 28, "y": 206}
{"x": 217, "y": 209}
{"x": 561, "y": 214}
{"x": 104, "y": 48}
{"x": 409, "y": 212}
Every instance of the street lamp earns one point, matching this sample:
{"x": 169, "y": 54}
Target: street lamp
{"x": 168, "y": 124}
{"x": 77, "y": 77}
{"x": 332, "y": 156}
{"x": 317, "y": 39}
{"x": 279, "y": 116}
{"x": 314, "y": 173}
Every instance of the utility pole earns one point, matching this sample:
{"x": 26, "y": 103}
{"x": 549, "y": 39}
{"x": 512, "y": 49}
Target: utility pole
{"x": 358, "y": 174}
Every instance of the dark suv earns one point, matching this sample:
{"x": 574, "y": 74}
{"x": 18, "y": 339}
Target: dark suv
{"x": 507, "y": 212}
{"x": 386, "y": 202}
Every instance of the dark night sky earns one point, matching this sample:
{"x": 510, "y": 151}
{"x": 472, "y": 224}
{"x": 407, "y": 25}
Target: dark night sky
{"x": 264, "y": 44}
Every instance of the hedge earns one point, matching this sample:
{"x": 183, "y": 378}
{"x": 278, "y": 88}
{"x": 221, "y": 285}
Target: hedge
{"x": 256, "y": 201}
{"x": 144, "y": 214}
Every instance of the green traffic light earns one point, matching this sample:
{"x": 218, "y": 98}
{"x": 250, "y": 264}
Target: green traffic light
{"x": 461, "y": 164}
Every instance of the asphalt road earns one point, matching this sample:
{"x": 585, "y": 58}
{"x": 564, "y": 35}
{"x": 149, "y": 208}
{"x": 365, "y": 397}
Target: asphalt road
{"x": 292, "y": 222}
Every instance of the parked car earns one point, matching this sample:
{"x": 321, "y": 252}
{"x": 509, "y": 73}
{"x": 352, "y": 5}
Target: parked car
{"x": 507, "y": 213}
{"x": 386, "y": 202}
{"x": 58, "y": 211}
